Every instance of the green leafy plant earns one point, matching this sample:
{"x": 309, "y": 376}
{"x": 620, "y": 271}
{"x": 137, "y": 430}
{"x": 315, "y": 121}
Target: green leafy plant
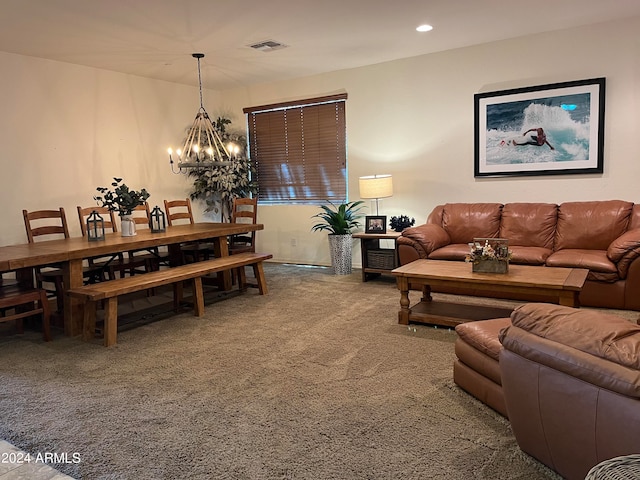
{"x": 121, "y": 198}
{"x": 220, "y": 185}
{"x": 339, "y": 219}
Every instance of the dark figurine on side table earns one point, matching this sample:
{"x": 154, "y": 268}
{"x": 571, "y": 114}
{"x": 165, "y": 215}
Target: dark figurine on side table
{"x": 398, "y": 224}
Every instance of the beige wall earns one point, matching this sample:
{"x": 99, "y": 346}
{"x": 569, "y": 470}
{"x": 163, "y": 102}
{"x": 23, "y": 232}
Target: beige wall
{"x": 413, "y": 118}
{"x": 66, "y": 129}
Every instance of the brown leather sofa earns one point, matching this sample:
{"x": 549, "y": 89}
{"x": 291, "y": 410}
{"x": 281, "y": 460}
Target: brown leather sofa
{"x": 602, "y": 236}
{"x": 571, "y": 382}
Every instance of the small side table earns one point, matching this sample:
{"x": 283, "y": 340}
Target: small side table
{"x": 375, "y": 260}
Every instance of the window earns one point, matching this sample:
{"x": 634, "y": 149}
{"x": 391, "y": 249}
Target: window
{"x": 299, "y": 150}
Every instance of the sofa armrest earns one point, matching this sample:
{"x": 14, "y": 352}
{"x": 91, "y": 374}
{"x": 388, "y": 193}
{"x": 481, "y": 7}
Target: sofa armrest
{"x": 571, "y": 385}
{"x": 425, "y": 238}
{"x": 624, "y": 250}
{"x": 598, "y": 348}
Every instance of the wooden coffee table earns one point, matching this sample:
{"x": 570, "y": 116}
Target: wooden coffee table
{"x": 564, "y": 284}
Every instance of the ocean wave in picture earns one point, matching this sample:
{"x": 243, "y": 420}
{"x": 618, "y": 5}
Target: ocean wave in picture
{"x": 566, "y": 131}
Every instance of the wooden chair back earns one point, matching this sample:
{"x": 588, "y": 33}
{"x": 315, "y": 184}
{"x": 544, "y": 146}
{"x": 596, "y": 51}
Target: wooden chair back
{"x": 178, "y": 210}
{"x": 153, "y": 256}
{"x": 141, "y": 215}
{"x": 108, "y": 217}
{"x": 18, "y": 302}
{"x": 45, "y": 222}
{"x": 245, "y": 210}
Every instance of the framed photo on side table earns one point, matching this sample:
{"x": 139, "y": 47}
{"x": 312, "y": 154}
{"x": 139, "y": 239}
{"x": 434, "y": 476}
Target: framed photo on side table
{"x": 542, "y": 130}
{"x": 375, "y": 224}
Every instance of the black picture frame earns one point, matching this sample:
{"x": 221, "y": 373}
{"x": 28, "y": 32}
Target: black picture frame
{"x": 375, "y": 224}
{"x": 554, "y": 129}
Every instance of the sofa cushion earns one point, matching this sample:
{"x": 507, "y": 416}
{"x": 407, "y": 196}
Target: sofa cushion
{"x": 436, "y": 215}
{"x": 575, "y": 341}
{"x": 483, "y": 335}
{"x": 529, "y": 255}
{"x": 529, "y": 224}
{"x": 596, "y": 261}
{"x": 591, "y": 225}
{"x": 603, "y": 335}
{"x": 466, "y": 221}
{"x": 634, "y": 220}
{"x": 457, "y": 251}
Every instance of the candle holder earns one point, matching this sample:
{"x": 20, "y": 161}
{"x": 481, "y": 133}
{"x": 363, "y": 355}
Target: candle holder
{"x": 95, "y": 227}
{"x": 157, "y": 220}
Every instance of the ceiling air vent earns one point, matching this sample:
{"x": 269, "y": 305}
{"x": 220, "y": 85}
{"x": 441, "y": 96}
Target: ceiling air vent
{"x": 268, "y": 46}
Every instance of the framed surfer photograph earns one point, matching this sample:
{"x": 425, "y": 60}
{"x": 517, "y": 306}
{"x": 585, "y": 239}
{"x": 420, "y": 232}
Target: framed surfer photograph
{"x": 550, "y": 129}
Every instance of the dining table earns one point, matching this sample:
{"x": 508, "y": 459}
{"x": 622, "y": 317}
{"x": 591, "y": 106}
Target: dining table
{"x": 70, "y": 253}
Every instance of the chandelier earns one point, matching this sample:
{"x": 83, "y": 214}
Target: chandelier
{"x": 203, "y": 148}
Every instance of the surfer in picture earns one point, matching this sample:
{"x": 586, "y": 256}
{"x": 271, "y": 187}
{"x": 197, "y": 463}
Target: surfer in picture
{"x": 533, "y": 136}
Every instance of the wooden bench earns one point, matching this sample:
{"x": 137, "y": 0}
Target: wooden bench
{"x": 110, "y": 290}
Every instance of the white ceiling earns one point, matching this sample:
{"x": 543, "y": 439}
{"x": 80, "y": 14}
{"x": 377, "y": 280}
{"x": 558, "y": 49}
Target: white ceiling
{"x": 155, "y": 38}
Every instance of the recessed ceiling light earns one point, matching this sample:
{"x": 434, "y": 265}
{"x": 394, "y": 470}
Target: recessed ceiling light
{"x": 424, "y": 28}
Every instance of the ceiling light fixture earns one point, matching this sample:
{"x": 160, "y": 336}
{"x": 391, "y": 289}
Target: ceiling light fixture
{"x": 203, "y": 148}
{"x": 424, "y": 28}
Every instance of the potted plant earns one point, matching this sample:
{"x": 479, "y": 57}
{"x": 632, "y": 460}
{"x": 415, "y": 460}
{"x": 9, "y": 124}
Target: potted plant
{"x": 339, "y": 220}
{"x": 220, "y": 185}
{"x": 122, "y": 200}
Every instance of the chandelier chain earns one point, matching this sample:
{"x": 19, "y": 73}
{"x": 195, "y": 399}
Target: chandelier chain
{"x": 200, "y": 83}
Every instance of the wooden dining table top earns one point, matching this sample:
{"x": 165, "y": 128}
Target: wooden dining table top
{"x": 27, "y": 255}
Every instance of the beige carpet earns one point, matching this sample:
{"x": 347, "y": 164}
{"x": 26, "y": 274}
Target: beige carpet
{"x": 314, "y": 381}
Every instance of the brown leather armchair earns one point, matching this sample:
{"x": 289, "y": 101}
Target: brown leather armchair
{"x": 571, "y": 382}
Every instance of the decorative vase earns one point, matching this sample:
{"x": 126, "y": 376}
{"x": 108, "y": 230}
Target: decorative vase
{"x": 340, "y": 248}
{"x": 491, "y": 266}
{"x": 128, "y": 226}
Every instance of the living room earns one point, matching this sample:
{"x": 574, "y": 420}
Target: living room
{"x": 412, "y": 118}
{"x": 69, "y": 128}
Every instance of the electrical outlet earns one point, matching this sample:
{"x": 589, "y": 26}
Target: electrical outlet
{"x": 294, "y": 242}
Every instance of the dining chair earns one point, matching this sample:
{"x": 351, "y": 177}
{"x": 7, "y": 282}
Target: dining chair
{"x": 244, "y": 210}
{"x": 49, "y": 225}
{"x": 18, "y": 302}
{"x": 180, "y": 212}
{"x": 154, "y": 257}
{"x": 111, "y": 263}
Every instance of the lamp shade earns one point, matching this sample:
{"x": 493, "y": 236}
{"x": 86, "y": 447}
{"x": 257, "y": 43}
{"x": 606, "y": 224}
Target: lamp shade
{"x": 376, "y": 186}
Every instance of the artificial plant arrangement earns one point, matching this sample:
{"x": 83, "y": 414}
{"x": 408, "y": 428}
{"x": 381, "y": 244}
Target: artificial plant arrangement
{"x": 339, "y": 219}
{"x": 479, "y": 252}
{"x": 220, "y": 185}
{"x": 121, "y": 199}
{"x": 400, "y": 223}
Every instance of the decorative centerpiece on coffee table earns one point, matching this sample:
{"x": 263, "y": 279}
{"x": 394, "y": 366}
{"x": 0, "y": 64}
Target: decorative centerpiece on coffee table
{"x": 489, "y": 255}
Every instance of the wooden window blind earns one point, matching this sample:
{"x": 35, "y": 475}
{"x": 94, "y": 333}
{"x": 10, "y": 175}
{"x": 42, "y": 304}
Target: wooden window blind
{"x": 299, "y": 150}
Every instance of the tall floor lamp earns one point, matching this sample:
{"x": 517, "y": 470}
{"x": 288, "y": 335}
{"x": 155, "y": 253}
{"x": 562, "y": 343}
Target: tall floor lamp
{"x": 376, "y": 186}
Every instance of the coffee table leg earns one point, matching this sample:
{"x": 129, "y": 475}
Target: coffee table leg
{"x": 403, "y": 314}
{"x": 426, "y": 293}
{"x": 571, "y": 299}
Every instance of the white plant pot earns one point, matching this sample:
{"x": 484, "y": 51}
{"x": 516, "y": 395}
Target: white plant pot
{"x": 340, "y": 247}
{"x": 127, "y": 226}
